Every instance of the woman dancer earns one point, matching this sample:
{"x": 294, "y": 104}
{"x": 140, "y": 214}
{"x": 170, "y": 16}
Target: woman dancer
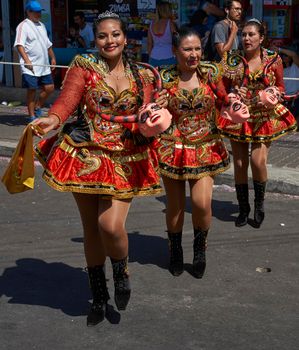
{"x": 191, "y": 149}
{"x": 104, "y": 164}
{"x": 268, "y": 120}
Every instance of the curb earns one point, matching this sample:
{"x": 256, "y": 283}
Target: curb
{"x": 281, "y": 180}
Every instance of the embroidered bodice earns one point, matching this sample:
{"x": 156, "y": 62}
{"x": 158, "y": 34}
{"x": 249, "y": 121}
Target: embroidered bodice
{"x": 234, "y": 70}
{"x": 85, "y": 90}
{"x": 193, "y": 111}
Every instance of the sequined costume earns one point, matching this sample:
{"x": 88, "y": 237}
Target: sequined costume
{"x": 89, "y": 154}
{"x": 192, "y": 147}
{"x": 264, "y": 124}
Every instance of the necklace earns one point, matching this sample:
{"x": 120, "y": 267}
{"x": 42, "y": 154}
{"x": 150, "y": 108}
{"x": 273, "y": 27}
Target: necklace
{"x": 118, "y": 76}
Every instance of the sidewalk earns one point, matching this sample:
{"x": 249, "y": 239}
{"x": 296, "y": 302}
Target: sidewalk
{"x": 283, "y": 161}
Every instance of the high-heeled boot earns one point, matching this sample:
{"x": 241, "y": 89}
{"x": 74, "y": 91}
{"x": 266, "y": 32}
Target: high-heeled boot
{"x": 244, "y": 207}
{"x": 199, "y": 251}
{"x": 259, "y": 192}
{"x": 122, "y": 288}
{"x": 176, "y": 261}
{"x": 97, "y": 282}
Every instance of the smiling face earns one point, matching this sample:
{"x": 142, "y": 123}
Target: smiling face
{"x": 188, "y": 53}
{"x": 110, "y": 39}
{"x": 251, "y": 38}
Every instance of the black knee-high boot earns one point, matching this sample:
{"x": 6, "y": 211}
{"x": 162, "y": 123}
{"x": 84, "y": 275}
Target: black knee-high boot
{"x": 122, "y": 288}
{"x": 244, "y": 207}
{"x": 97, "y": 281}
{"x": 259, "y": 192}
{"x": 176, "y": 261}
{"x": 199, "y": 250}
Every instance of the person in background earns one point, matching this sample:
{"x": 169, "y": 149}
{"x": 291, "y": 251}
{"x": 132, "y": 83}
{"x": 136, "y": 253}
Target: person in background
{"x": 269, "y": 118}
{"x": 266, "y": 41}
{"x": 290, "y": 60}
{"x": 74, "y": 38}
{"x": 198, "y": 21}
{"x": 85, "y": 30}
{"x": 224, "y": 35}
{"x": 213, "y": 12}
{"x": 191, "y": 149}
{"x": 104, "y": 164}
{"x": 159, "y": 39}
{"x": 35, "y": 48}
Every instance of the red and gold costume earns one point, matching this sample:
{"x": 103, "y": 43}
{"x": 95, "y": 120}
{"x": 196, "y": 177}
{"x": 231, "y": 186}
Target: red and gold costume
{"x": 89, "y": 154}
{"x": 192, "y": 147}
{"x": 265, "y": 124}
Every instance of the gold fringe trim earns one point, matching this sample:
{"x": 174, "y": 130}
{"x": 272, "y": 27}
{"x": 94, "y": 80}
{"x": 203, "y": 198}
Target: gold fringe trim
{"x": 194, "y": 177}
{"x": 100, "y": 191}
{"x": 249, "y": 139}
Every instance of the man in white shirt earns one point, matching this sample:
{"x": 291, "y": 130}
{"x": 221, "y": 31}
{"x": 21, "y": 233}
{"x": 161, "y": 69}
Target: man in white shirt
{"x": 85, "y": 29}
{"x": 35, "y": 48}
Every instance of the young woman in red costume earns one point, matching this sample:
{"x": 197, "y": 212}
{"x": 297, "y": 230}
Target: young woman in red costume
{"x": 104, "y": 163}
{"x": 191, "y": 149}
{"x": 269, "y": 119}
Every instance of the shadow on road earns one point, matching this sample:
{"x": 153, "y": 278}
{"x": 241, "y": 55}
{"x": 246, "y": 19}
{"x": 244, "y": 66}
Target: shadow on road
{"x": 146, "y": 249}
{"x": 222, "y": 210}
{"x": 13, "y": 120}
{"x": 55, "y": 285}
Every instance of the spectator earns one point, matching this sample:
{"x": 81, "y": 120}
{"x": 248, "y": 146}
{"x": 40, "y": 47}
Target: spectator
{"x": 290, "y": 61}
{"x": 85, "y": 30}
{"x": 224, "y": 35}
{"x": 266, "y": 41}
{"x": 213, "y": 12}
{"x": 198, "y": 22}
{"x": 159, "y": 40}
{"x": 74, "y": 39}
{"x": 34, "y": 48}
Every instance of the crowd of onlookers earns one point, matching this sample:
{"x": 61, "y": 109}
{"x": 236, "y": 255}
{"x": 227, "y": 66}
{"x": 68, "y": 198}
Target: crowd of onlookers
{"x": 219, "y": 30}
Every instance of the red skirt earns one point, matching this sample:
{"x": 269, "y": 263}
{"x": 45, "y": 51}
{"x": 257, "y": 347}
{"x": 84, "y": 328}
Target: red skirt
{"x": 262, "y": 126}
{"x": 91, "y": 169}
{"x": 182, "y": 161}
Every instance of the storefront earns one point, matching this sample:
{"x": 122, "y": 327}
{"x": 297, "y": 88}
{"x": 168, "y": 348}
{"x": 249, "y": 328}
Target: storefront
{"x": 282, "y": 18}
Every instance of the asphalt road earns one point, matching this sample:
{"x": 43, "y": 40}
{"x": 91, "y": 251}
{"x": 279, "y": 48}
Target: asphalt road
{"x": 44, "y": 289}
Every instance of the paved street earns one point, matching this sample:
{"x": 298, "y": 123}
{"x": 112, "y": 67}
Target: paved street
{"x": 44, "y": 289}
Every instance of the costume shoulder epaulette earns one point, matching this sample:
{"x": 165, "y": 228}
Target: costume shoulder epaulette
{"x": 212, "y": 69}
{"x": 270, "y": 55}
{"x": 232, "y": 64}
{"x": 169, "y": 75}
{"x": 90, "y": 62}
{"x": 145, "y": 73}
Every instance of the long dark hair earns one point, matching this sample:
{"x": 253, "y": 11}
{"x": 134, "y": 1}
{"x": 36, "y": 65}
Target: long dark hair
{"x": 133, "y": 66}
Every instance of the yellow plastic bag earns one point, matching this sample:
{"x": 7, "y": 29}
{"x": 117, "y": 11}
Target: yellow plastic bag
{"x": 19, "y": 175}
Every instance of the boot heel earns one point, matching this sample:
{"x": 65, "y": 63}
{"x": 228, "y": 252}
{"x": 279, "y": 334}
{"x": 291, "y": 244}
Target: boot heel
{"x": 176, "y": 261}
{"x": 97, "y": 282}
{"x": 244, "y": 207}
{"x": 199, "y": 250}
{"x": 122, "y": 288}
{"x": 259, "y": 212}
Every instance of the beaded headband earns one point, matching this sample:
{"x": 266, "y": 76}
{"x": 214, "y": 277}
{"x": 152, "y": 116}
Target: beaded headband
{"x": 108, "y": 14}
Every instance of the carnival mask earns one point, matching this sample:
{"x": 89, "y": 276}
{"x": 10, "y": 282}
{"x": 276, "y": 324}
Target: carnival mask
{"x": 152, "y": 120}
{"x": 236, "y": 111}
{"x": 270, "y": 96}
